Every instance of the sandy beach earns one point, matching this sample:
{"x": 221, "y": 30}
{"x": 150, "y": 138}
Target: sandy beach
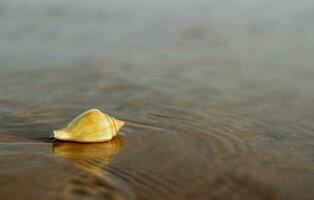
{"x": 218, "y": 101}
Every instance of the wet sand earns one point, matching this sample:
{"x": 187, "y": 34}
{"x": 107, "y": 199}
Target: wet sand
{"x": 217, "y": 105}
{"x": 188, "y": 138}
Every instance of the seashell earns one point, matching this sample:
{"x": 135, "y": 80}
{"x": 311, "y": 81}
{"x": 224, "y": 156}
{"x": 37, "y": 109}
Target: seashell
{"x": 90, "y": 126}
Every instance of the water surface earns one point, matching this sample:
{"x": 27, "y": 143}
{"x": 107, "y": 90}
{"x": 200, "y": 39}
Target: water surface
{"x": 218, "y": 105}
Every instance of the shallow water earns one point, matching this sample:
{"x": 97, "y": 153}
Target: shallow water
{"x": 217, "y": 106}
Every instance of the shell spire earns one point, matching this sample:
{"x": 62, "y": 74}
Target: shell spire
{"x": 90, "y": 126}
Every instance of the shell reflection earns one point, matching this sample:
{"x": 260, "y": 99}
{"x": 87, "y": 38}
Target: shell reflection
{"x": 90, "y": 157}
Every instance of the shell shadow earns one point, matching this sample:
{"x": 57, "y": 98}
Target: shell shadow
{"x": 91, "y": 157}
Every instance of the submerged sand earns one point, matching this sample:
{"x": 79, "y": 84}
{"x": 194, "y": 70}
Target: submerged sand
{"x": 217, "y": 97}
{"x": 190, "y": 138}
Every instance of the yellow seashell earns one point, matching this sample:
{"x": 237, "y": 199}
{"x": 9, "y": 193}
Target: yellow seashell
{"x": 90, "y": 126}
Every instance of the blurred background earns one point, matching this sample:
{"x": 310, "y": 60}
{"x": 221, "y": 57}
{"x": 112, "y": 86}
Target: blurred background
{"x": 217, "y": 96}
{"x": 45, "y": 34}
